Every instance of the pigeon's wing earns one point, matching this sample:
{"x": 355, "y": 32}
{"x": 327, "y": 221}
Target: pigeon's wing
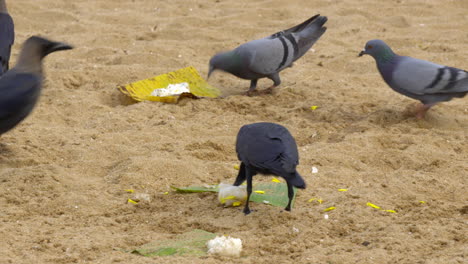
{"x": 19, "y": 93}
{"x": 7, "y": 37}
{"x": 267, "y": 146}
{"x": 268, "y": 55}
{"x": 423, "y": 77}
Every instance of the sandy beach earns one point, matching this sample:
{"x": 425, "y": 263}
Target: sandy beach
{"x": 65, "y": 169}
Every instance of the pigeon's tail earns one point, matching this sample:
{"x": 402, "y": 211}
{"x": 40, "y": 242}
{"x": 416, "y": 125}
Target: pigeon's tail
{"x": 310, "y": 34}
{"x": 297, "y": 181}
{"x": 301, "y": 26}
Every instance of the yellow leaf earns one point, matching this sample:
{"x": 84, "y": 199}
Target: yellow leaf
{"x": 141, "y": 90}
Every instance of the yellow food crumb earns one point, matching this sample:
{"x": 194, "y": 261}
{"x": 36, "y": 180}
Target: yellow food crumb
{"x": 311, "y": 200}
{"x": 373, "y": 205}
{"x": 329, "y": 209}
{"x": 130, "y": 191}
{"x": 342, "y": 190}
{"x": 131, "y": 201}
{"x": 259, "y": 192}
{"x": 236, "y": 167}
{"x": 275, "y": 180}
{"x": 313, "y": 107}
{"x": 391, "y": 211}
{"x": 166, "y": 193}
{"x": 236, "y": 203}
{"x": 423, "y": 202}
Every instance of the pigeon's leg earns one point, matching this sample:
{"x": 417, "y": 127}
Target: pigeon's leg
{"x": 422, "y": 109}
{"x": 241, "y": 176}
{"x": 290, "y": 196}
{"x": 276, "y": 81}
{"x": 253, "y": 86}
{"x": 249, "y": 176}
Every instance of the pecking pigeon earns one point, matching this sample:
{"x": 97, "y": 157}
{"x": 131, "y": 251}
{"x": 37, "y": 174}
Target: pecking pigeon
{"x": 267, "y": 148}
{"x": 268, "y": 56}
{"x": 422, "y": 80}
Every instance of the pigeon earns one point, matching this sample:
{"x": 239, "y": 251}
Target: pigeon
{"x": 20, "y": 87}
{"x": 7, "y": 37}
{"x": 269, "y": 149}
{"x": 422, "y": 80}
{"x": 267, "y": 57}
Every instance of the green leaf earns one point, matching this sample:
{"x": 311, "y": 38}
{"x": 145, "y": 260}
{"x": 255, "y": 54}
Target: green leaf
{"x": 195, "y": 189}
{"x": 192, "y": 243}
{"x": 275, "y": 193}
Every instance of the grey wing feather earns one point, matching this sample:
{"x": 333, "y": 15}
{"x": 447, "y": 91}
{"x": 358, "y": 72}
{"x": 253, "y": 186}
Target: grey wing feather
{"x": 423, "y": 77}
{"x": 265, "y": 55}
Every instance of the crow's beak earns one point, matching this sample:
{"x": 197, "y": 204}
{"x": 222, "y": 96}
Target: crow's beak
{"x": 362, "y": 53}
{"x": 56, "y": 46}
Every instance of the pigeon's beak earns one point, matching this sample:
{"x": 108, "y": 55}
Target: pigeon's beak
{"x": 56, "y": 46}
{"x": 210, "y": 72}
{"x": 362, "y": 53}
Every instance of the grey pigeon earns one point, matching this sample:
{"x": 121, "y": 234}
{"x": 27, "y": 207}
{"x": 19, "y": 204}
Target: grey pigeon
{"x": 268, "y": 56}
{"x": 20, "y": 87}
{"x": 422, "y": 80}
{"x": 267, "y": 148}
{"x": 7, "y": 37}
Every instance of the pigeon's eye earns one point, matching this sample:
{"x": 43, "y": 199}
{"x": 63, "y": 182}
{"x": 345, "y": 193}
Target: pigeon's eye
{"x": 369, "y": 47}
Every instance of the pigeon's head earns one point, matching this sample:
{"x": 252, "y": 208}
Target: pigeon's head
{"x": 377, "y": 49}
{"x": 216, "y": 63}
{"x": 224, "y": 61}
{"x": 42, "y": 47}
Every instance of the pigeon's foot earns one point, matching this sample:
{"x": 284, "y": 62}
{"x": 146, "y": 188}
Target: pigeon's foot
{"x": 421, "y": 110}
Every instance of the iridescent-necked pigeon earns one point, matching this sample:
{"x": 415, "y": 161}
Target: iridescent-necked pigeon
{"x": 422, "y": 80}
